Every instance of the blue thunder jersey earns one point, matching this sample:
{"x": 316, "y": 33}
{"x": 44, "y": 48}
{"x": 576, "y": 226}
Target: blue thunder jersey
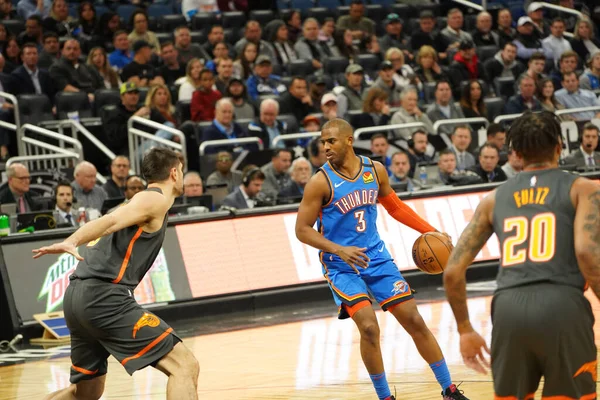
{"x": 349, "y": 218}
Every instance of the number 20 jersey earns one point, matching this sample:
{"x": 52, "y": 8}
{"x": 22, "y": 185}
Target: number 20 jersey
{"x": 534, "y": 218}
{"x": 349, "y": 218}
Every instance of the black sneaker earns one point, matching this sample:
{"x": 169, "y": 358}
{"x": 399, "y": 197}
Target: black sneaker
{"x": 452, "y": 393}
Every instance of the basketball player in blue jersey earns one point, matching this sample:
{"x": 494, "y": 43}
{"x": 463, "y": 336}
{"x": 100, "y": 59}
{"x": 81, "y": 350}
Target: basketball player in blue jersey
{"x": 102, "y": 315}
{"x": 343, "y": 197}
{"x": 548, "y": 225}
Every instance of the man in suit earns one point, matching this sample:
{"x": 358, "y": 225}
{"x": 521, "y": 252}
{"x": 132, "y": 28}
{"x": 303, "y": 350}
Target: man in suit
{"x": 63, "y": 198}
{"x": 70, "y": 75}
{"x": 300, "y": 172}
{"x": 17, "y": 189}
{"x": 586, "y": 156}
{"x": 461, "y": 140}
{"x": 223, "y": 126}
{"x": 29, "y": 78}
{"x": 488, "y": 169}
{"x": 244, "y": 196}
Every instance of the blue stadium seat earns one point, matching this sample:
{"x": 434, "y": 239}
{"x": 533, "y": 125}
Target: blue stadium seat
{"x": 158, "y": 10}
{"x": 125, "y": 11}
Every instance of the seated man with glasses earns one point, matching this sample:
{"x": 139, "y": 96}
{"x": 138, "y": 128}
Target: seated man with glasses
{"x": 17, "y": 189}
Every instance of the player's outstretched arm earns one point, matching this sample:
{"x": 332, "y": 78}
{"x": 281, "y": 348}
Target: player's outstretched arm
{"x": 475, "y": 235}
{"x": 586, "y": 198}
{"x": 315, "y": 193}
{"x": 142, "y": 208}
{"x": 396, "y": 207}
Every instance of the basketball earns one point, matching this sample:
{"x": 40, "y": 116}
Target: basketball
{"x": 431, "y": 252}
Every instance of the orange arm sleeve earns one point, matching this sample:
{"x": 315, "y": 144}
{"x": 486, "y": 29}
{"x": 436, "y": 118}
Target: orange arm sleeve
{"x": 404, "y": 214}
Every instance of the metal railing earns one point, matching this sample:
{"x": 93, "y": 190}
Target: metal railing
{"x": 576, "y": 110}
{"x": 47, "y": 156}
{"x": 230, "y": 142}
{"x": 31, "y": 161}
{"x": 294, "y": 136}
{"x": 506, "y": 117}
{"x": 32, "y": 150}
{"x": 370, "y": 129}
{"x": 460, "y": 121}
{"x": 472, "y": 5}
{"x": 17, "y": 116}
{"x": 78, "y": 128}
{"x": 561, "y": 8}
{"x": 140, "y": 141}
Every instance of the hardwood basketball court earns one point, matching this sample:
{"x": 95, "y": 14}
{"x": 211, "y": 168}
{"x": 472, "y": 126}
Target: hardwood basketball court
{"x": 311, "y": 359}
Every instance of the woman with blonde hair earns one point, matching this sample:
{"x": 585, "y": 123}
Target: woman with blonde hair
{"x": 160, "y": 104}
{"x": 405, "y": 75}
{"x": 428, "y": 69}
{"x": 376, "y": 110}
{"x": 97, "y": 59}
{"x": 190, "y": 81}
{"x": 584, "y": 43}
{"x": 59, "y": 20}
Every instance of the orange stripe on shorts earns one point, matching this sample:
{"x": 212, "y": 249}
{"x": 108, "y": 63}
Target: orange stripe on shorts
{"x": 83, "y": 370}
{"x": 149, "y": 347}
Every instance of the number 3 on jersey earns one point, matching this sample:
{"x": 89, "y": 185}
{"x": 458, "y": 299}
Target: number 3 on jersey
{"x": 361, "y": 224}
{"x": 541, "y": 237}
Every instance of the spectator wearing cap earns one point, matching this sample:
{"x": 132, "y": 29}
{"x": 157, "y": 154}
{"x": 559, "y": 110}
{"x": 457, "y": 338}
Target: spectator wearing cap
{"x": 453, "y": 31}
{"x": 483, "y": 34}
{"x": 571, "y": 96}
{"x": 356, "y": 21}
{"x": 567, "y": 63}
{"x": 253, "y": 33}
{"x": 223, "y": 127}
{"x": 394, "y": 35}
{"x": 444, "y": 107}
{"x": 466, "y": 66}
{"x": 263, "y": 82}
{"x": 427, "y": 36}
{"x": 139, "y": 22}
{"x": 121, "y": 56}
{"x": 590, "y": 79}
{"x": 308, "y": 47}
{"x": 584, "y": 41}
{"x": 171, "y": 69}
{"x": 311, "y": 123}
{"x": 277, "y": 32}
{"x": 329, "y": 107}
{"x": 375, "y": 110}
{"x": 236, "y": 91}
{"x": 70, "y": 75}
{"x": 555, "y": 44}
{"x": 205, "y": 98}
{"x": 351, "y": 95}
{"x": 410, "y": 112}
{"x": 505, "y": 29}
{"x": 527, "y": 43}
{"x": 140, "y": 71}
{"x": 535, "y": 12}
{"x": 525, "y": 99}
{"x": 297, "y": 101}
{"x": 504, "y": 64}
{"x": 267, "y": 127}
{"x": 115, "y": 121}
{"x": 386, "y": 82}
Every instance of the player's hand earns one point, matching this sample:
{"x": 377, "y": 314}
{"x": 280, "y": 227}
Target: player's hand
{"x": 354, "y": 257}
{"x": 472, "y": 346}
{"x": 58, "y": 248}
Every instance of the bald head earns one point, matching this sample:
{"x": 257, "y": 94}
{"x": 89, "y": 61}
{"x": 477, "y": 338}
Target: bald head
{"x": 338, "y": 127}
{"x": 85, "y": 175}
{"x": 18, "y": 178}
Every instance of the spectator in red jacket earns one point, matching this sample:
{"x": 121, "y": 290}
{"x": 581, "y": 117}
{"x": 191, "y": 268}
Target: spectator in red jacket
{"x": 205, "y": 98}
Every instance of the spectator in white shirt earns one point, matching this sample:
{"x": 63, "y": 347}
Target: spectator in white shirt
{"x": 556, "y": 44}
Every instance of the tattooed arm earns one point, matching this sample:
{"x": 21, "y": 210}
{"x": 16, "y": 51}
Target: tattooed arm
{"x": 586, "y": 199}
{"x": 470, "y": 243}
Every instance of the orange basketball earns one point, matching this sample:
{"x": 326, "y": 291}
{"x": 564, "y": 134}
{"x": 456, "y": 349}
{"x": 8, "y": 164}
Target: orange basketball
{"x": 431, "y": 252}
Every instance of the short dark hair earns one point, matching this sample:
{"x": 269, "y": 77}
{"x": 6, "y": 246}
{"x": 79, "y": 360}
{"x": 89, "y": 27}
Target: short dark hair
{"x": 535, "y": 136}
{"x": 119, "y": 33}
{"x": 457, "y": 127}
{"x": 400, "y": 153}
{"x": 488, "y": 145}
{"x": 590, "y": 126}
{"x": 298, "y": 78}
{"x": 441, "y": 81}
{"x": 378, "y": 136}
{"x": 357, "y": 3}
{"x": 566, "y": 74}
{"x": 28, "y": 45}
{"x": 446, "y": 152}
{"x": 48, "y": 35}
{"x": 213, "y": 27}
{"x": 494, "y": 129}
{"x": 558, "y": 19}
{"x": 158, "y": 162}
{"x": 206, "y": 71}
{"x": 35, "y": 18}
{"x": 62, "y": 183}
{"x": 277, "y": 152}
{"x": 537, "y": 56}
{"x": 418, "y": 132}
{"x": 568, "y": 54}
{"x": 511, "y": 44}
{"x": 130, "y": 177}
{"x": 166, "y": 44}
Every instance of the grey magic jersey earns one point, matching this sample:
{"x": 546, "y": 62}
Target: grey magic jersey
{"x": 122, "y": 257}
{"x": 533, "y": 218}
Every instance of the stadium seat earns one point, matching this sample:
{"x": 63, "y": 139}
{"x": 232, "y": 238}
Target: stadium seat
{"x": 429, "y": 91}
{"x": 284, "y": 5}
{"x": 319, "y": 13}
{"x": 262, "y": 16}
{"x": 291, "y": 122}
{"x": 244, "y": 122}
{"x": 67, "y": 102}
{"x": 164, "y": 37}
{"x": 231, "y": 35}
{"x": 182, "y": 109}
{"x": 159, "y": 10}
{"x": 369, "y": 62}
{"x": 101, "y": 10}
{"x": 335, "y": 65}
{"x": 203, "y": 22}
{"x": 470, "y": 22}
{"x": 34, "y": 108}
{"x": 441, "y": 22}
{"x": 233, "y": 19}
{"x": 303, "y": 5}
{"x": 200, "y": 126}
{"x": 376, "y": 12}
{"x": 494, "y": 106}
{"x": 329, "y": 4}
{"x": 300, "y": 67}
{"x": 103, "y": 97}
{"x": 405, "y": 11}
{"x": 504, "y": 87}
{"x": 343, "y": 10}
{"x": 285, "y": 13}
{"x": 14, "y": 26}
{"x": 486, "y": 52}
{"x": 435, "y": 8}
{"x": 125, "y": 11}
{"x": 199, "y": 37}
{"x": 168, "y": 23}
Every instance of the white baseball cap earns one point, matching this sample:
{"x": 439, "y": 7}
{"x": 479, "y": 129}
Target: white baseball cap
{"x": 524, "y": 20}
{"x": 534, "y": 6}
{"x": 327, "y": 97}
